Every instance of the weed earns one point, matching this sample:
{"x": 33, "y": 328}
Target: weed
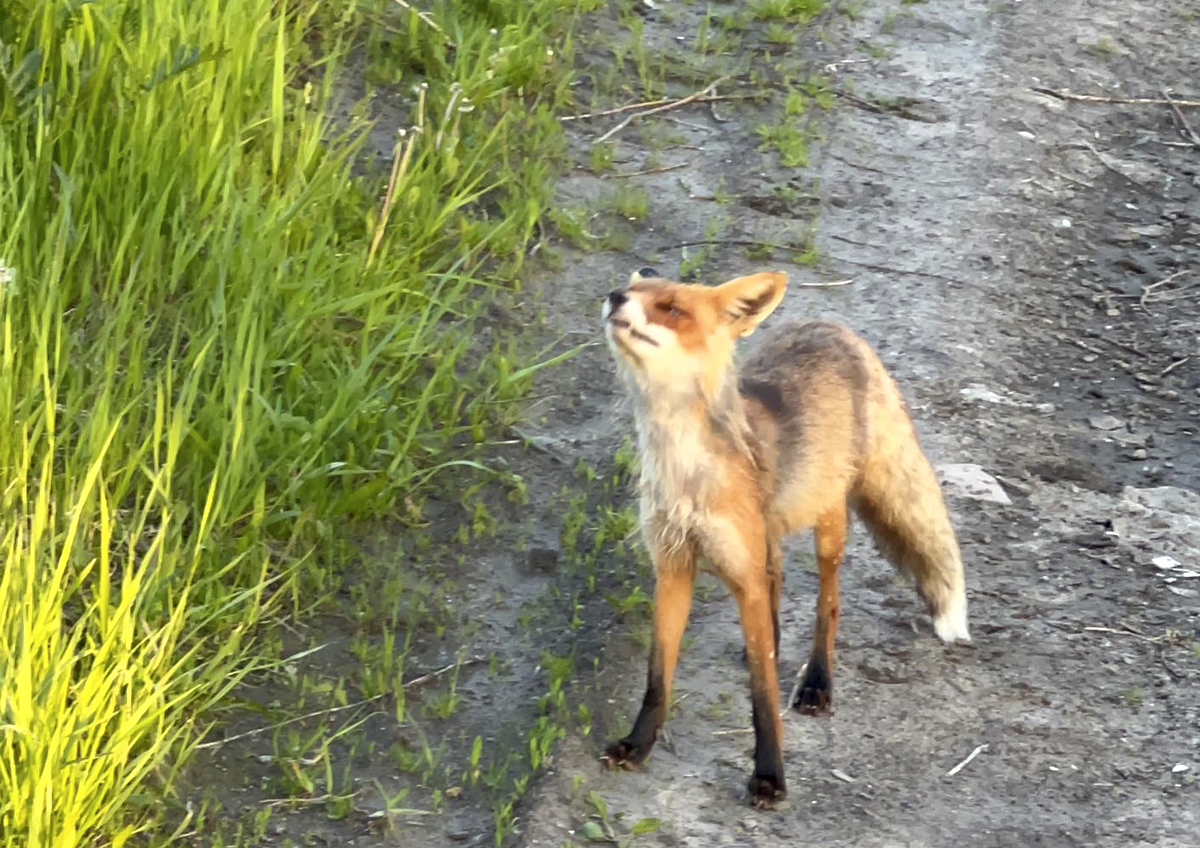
{"x": 788, "y": 139}
{"x": 599, "y": 827}
{"x": 602, "y": 157}
{"x": 630, "y": 202}
{"x": 1104, "y": 47}
{"x": 799, "y": 11}
{"x": 777, "y": 33}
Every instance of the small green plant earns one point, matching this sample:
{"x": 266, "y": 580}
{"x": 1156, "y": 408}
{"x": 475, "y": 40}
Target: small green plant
{"x": 788, "y": 139}
{"x": 777, "y": 33}
{"x": 799, "y": 11}
{"x": 599, "y": 827}
{"x": 602, "y": 156}
{"x": 631, "y": 202}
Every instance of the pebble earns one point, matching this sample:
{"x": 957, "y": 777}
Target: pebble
{"x": 1105, "y": 422}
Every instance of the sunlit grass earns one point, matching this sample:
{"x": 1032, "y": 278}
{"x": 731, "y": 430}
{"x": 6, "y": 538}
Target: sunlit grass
{"x": 202, "y": 375}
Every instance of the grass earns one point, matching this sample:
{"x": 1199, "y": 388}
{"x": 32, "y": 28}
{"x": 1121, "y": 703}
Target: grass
{"x": 219, "y": 350}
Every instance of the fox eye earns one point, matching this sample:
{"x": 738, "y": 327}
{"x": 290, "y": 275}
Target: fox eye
{"x": 672, "y": 310}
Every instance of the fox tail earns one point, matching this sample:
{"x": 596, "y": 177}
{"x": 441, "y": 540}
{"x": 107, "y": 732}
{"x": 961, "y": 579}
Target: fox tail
{"x": 899, "y": 499}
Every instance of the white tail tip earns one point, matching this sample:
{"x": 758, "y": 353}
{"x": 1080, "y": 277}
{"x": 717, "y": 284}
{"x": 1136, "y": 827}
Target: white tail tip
{"x": 951, "y": 624}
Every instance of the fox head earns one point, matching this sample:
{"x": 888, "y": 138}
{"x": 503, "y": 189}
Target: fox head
{"x": 676, "y": 337}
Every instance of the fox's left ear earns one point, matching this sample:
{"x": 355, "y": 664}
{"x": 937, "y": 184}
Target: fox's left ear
{"x": 746, "y": 301}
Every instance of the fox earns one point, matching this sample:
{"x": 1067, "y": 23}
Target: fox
{"x": 734, "y": 460}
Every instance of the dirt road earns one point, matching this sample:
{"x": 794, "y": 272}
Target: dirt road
{"x": 1012, "y": 257}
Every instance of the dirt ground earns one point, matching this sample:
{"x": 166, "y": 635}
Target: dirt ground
{"x": 1000, "y": 243}
{"x": 1010, "y": 254}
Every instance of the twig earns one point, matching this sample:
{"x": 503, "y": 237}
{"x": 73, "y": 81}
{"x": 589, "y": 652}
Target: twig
{"x": 650, "y": 171}
{"x": 1115, "y": 169}
{"x": 1147, "y": 291}
{"x": 1184, "y": 128}
{"x": 970, "y": 757}
{"x": 832, "y": 284}
{"x": 400, "y": 161}
{"x": 320, "y": 799}
{"x": 1126, "y": 630}
{"x": 736, "y": 242}
{"x": 1094, "y": 98}
{"x": 424, "y": 16}
{"x": 1173, "y": 366}
{"x": 674, "y": 104}
{"x": 616, "y": 110}
{"x": 688, "y": 124}
{"x": 887, "y": 269}
{"x": 416, "y": 681}
{"x": 1070, "y": 179}
{"x": 900, "y": 110}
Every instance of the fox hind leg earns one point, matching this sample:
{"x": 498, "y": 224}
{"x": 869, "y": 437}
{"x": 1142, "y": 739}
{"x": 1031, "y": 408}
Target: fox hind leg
{"x": 815, "y": 695}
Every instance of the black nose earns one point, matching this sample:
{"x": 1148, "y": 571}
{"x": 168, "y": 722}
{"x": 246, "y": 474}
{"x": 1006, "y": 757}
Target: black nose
{"x": 616, "y": 298}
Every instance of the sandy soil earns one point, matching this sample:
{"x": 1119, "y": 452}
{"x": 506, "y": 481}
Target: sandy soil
{"x": 999, "y": 242}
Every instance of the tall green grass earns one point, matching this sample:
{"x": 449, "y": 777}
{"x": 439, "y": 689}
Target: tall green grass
{"x": 218, "y": 344}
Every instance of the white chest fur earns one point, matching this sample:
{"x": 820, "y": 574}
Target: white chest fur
{"x": 677, "y": 471}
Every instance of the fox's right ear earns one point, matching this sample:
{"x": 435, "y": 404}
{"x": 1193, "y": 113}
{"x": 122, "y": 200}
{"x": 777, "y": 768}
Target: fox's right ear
{"x": 643, "y": 274}
{"x": 746, "y": 301}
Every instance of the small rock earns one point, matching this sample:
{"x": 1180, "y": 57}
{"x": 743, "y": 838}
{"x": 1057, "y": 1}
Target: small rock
{"x": 1179, "y": 768}
{"x": 1140, "y": 453}
{"x": 1165, "y": 562}
{"x": 543, "y": 558}
{"x": 1105, "y": 422}
{"x": 1095, "y": 541}
{"x": 971, "y": 481}
{"x": 1148, "y": 230}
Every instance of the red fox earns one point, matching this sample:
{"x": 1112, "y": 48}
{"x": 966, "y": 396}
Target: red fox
{"x": 731, "y": 463}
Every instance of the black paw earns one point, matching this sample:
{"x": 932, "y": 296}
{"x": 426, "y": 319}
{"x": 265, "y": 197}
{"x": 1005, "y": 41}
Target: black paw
{"x": 815, "y": 696}
{"x": 766, "y": 790}
{"x": 625, "y": 754}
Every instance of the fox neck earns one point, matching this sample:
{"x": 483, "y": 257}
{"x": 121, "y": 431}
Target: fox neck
{"x": 682, "y": 436}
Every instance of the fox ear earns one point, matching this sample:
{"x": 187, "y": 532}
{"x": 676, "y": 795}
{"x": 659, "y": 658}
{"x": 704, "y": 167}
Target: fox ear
{"x": 746, "y": 301}
{"x": 643, "y": 274}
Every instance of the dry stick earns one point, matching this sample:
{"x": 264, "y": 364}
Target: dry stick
{"x": 647, "y": 173}
{"x": 1185, "y": 129}
{"x": 1093, "y": 98}
{"x": 424, "y": 16}
{"x": 399, "y": 168}
{"x": 1127, "y": 631}
{"x": 674, "y": 104}
{"x": 1148, "y": 290}
{"x": 660, "y": 102}
{"x": 416, "y": 681}
{"x": 738, "y": 242}
{"x": 887, "y": 269}
{"x": 1118, "y": 171}
{"x": 1173, "y": 366}
{"x": 970, "y": 757}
